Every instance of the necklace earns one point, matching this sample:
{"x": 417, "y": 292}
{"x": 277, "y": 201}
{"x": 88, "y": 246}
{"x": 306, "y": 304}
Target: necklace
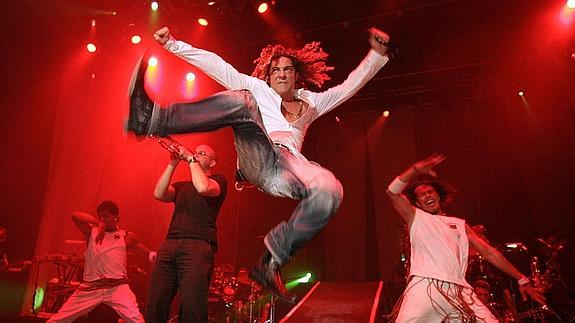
{"x": 293, "y": 115}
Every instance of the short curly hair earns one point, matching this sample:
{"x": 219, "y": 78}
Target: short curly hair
{"x": 108, "y": 206}
{"x": 309, "y": 62}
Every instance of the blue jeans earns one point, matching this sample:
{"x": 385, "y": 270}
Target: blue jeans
{"x": 272, "y": 168}
{"x": 184, "y": 264}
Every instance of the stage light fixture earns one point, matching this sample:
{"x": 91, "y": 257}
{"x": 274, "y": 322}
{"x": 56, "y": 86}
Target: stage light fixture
{"x": 203, "y": 22}
{"x": 154, "y": 5}
{"x": 93, "y": 23}
{"x": 211, "y": 3}
{"x": 153, "y": 62}
{"x": 337, "y": 119}
{"x": 263, "y": 7}
{"x": 385, "y": 113}
{"x": 571, "y": 4}
{"x": 91, "y": 48}
{"x": 190, "y": 77}
{"x": 136, "y": 39}
{"x": 521, "y": 93}
{"x": 304, "y": 279}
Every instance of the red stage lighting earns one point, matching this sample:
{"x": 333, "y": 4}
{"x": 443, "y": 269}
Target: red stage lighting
{"x": 190, "y": 77}
{"x": 385, "y": 113}
{"x": 91, "y": 48}
{"x": 263, "y": 7}
{"x": 153, "y": 62}
{"x": 203, "y": 22}
{"x": 136, "y": 39}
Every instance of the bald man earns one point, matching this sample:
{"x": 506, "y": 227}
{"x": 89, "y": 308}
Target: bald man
{"x": 186, "y": 259}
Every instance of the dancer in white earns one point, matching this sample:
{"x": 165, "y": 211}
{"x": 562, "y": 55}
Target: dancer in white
{"x": 105, "y": 278}
{"x": 436, "y": 289}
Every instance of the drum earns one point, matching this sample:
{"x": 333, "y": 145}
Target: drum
{"x": 218, "y": 308}
{"x": 229, "y": 287}
{"x": 478, "y": 268}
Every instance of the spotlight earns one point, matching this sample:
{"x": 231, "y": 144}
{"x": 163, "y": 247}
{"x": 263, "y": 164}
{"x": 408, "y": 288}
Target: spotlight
{"x": 91, "y": 48}
{"x": 190, "y": 77}
{"x": 203, "y": 22}
{"x": 337, "y": 119}
{"x": 571, "y": 4}
{"x": 305, "y": 278}
{"x": 521, "y": 93}
{"x": 263, "y": 7}
{"x": 153, "y": 62}
{"x": 136, "y": 39}
{"x": 93, "y": 23}
{"x": 211, "y": 3}
{"x": 385, "y": 113}
{"x": 154, "y": 5}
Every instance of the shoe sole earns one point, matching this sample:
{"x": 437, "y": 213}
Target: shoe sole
{"x": 258, "y": 278}
{"x": 138, "y": 75}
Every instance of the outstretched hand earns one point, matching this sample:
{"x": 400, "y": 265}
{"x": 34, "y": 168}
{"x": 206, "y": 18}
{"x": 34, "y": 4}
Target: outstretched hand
{"x": 533, "y": 292}
{"x": 162, "y": 35}
{"x": 378, "y": 40}
{"x": 426, "y": 165}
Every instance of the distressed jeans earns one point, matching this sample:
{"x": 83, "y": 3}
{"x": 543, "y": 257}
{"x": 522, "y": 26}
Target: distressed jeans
{"x": 272, "y": 168}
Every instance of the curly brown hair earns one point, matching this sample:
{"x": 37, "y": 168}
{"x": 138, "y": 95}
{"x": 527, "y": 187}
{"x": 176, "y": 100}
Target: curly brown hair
{"x": 444, "y": 191}
{"x": 309, "y": 62}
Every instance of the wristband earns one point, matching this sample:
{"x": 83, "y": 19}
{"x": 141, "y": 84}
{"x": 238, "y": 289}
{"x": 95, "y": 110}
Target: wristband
{"x": 523, "y": 280}
{"x": 397, "y": 186}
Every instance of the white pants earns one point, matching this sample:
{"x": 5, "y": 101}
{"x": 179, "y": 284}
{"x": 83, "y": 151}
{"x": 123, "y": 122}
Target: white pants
{"x": 423, "y": 302}
{"x": 120, "y": 298}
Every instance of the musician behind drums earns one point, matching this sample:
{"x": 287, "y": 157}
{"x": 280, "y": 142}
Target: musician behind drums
{"x": 489, "y": 283}
{"x": 185, "y": 261}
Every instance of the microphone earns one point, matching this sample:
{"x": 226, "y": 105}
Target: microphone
{"x": 392, "y": 47}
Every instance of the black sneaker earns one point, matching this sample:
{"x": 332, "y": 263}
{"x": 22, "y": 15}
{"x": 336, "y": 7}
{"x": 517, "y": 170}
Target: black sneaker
{"x": 144, "y": 113}
{"x": 266, "y": 273}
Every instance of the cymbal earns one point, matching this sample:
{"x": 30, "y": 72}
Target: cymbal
{"x": 225, "y": 268}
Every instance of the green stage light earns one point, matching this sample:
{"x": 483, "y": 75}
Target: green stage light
{"x": 303, "y": 279}
{"x": 39, "y": 298}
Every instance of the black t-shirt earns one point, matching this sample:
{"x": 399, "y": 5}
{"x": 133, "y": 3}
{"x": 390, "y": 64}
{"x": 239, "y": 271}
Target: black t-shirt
{"x": 195, "y": 215}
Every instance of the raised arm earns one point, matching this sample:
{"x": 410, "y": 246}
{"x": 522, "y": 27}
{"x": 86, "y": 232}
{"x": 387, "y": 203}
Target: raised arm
{"x": 498, "y": 260}
{"x": 210, "y": 63}
{"x": 395, "y": 189}
{"x": 164, "y": 191}
{"x": 85, "y": 222}
{"x": 369, "y": 66}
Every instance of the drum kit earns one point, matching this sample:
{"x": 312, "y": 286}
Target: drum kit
{"x": 233, "y": 296}
{"x": 544, "y": 275}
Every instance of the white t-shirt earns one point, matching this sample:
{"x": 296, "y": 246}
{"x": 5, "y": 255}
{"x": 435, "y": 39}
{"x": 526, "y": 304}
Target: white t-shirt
{"x": 107, "y": 259}
{"x": 269, "y": 102}
{"x": 439, "y": 247}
